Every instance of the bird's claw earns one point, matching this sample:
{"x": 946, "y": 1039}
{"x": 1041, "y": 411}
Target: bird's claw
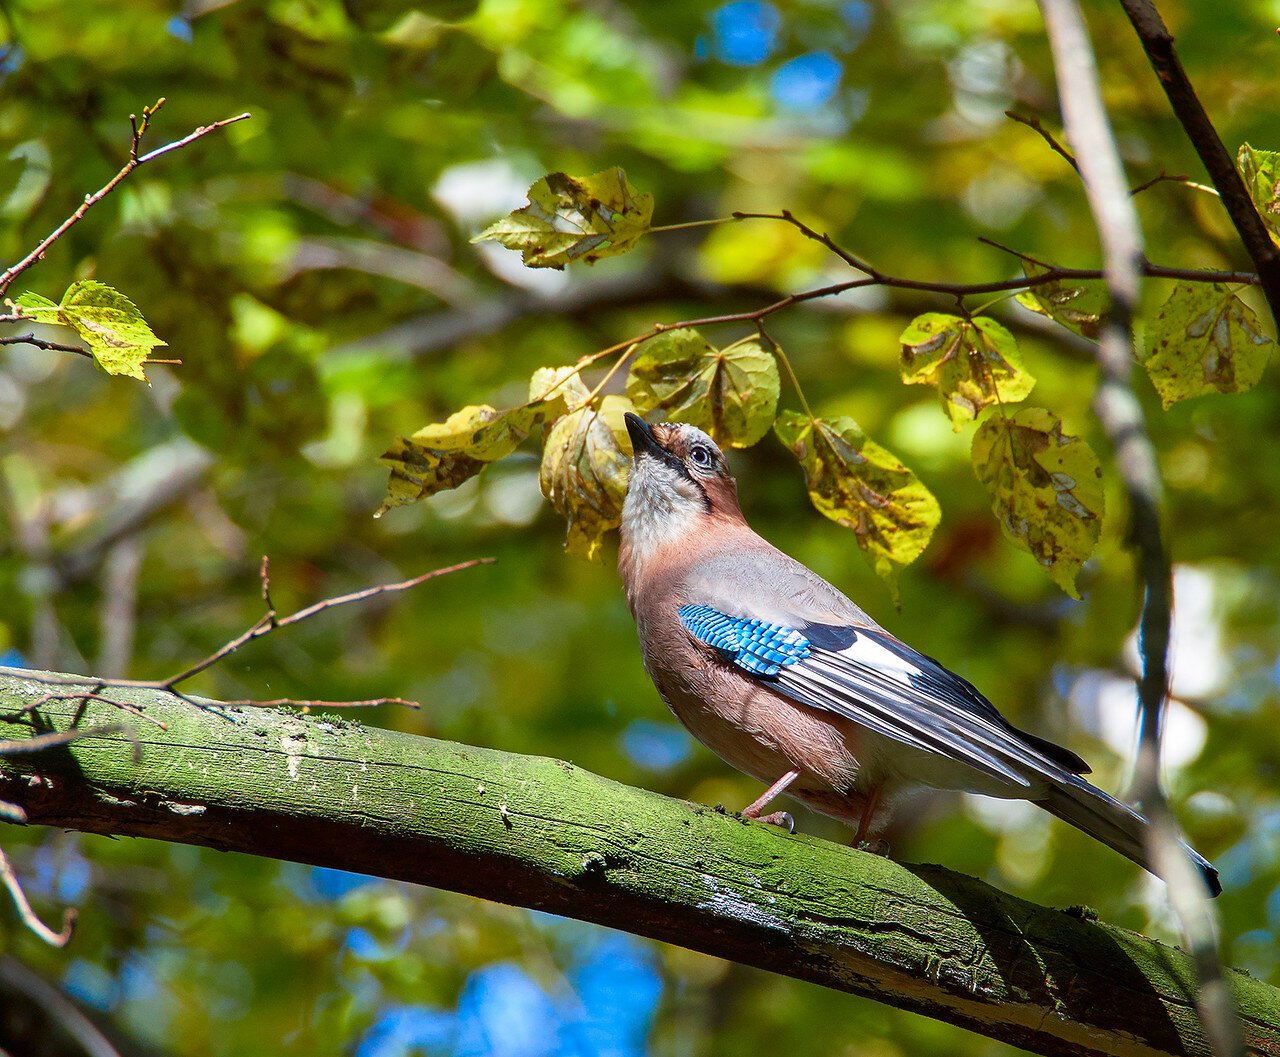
{"x": 780, "y": 818}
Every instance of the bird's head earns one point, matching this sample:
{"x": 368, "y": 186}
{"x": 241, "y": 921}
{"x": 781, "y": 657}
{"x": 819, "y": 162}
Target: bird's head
{"x": 680, "y": 484}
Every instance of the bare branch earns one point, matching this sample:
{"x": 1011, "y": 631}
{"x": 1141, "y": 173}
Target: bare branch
{"x": 1089, "y": 132}
{"x": 1157, "y": 42}
{"x": 1034, "y": 124}
{"x": 266, "y": 624}
{"x": 1054, "y": 275}
{"x": 59, "y": 1008}
{"x": 40, "y": 343}
{"x": 826, "y": 240}
{"x": 29, "y": 916}
{"x": 40, "y": 742}
{"x": 307, "y": 706}
{"x": 1186, "y": 181}
{"x": 11, "y": 273}
{"x": 91, "y": 695}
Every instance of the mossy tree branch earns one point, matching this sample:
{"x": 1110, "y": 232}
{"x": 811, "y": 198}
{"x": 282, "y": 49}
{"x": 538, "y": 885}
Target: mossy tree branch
{"x": 542, "y": 833}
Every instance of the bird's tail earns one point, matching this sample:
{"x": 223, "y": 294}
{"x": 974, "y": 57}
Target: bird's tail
{"x": 1117, "y": 825}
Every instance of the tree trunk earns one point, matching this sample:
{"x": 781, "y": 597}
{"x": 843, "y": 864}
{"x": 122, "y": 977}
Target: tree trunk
{"x": 543, "y": 833}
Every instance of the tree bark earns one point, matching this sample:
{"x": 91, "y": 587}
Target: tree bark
{"x": 543, "y": 833}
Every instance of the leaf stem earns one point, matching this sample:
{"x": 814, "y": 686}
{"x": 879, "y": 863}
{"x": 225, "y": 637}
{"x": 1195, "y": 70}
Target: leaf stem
{"x": 994, "y": 301}
{"x": 782, "y": 358}
{"x": 713, "y": 222}
{"x": 617, "y": 366}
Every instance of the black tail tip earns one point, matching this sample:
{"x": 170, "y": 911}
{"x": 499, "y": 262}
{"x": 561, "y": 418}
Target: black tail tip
{"x": 1211, "y": 879}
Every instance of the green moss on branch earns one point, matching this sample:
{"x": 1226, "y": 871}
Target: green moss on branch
{"x": 542, "y": 833}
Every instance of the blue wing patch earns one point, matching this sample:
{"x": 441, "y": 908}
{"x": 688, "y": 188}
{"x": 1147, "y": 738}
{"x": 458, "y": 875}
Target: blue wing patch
{"x": 759, "y": 648}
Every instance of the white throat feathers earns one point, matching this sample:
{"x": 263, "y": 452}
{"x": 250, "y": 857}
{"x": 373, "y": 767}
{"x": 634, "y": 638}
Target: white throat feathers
{"x": 661, "y": 509}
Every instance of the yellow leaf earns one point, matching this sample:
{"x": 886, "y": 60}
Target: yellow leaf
{"x": 731, "y": 393}
{"x": 973, "y": 363}
{"x": 572, "y": 218}
{"x": 1203, "y": 340}
{"x": 557, "y": 381}
{"x": 584, "y": 472}
{"x": 443, "y": 455}
{"x": 119, "y": 339}
{"x": 1046, "y": 489}
{"x": 1078, "y": 304}
{"x": 864, "y": 487}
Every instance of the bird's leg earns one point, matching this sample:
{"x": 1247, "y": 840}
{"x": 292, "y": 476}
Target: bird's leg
{"x": 864, "y": 825}
{"x": 778, "y": 818}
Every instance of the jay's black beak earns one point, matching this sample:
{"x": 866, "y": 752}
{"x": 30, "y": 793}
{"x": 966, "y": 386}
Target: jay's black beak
{"x": 642, "y": 438}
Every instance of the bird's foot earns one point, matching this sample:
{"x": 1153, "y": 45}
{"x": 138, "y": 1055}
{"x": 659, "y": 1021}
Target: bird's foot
{"x": 777, "y": 818}
{"x": 875, "y": 847}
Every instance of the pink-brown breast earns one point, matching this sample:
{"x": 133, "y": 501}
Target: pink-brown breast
{"x": 739, "y": 718}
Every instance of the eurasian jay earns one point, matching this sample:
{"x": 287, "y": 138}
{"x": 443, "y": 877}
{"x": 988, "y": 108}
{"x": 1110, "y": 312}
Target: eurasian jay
{"x": 784, "y": 678}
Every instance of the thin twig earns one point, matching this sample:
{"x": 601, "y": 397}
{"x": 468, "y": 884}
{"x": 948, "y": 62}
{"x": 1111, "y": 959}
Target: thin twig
{"x": 11, "y": 273}
{"x": 294, "y": 702}
{"x": 1186, "y": 181}
{"x": 1157, "y": 42}
{"x": 91, "y": 695}
{"x": 788, "y": 217}
{"x": 29, "y": 916}
{"x": 269, "y": 622}
{"x": 1053, "y": 275}
{"x": 1034, "y": 124}
{"x": 1015, "y": 253}
{"x": 1048, "y": 137}
{"x": 18, "y": 746}
{"x": 1089, "y": 132}
{"x": 265, "y": 624}
{"x": 957, "y": 290}
{"x": 12, "y": 812}
{"x": 57, "y": 1006}
{"x": 40, "y": 343}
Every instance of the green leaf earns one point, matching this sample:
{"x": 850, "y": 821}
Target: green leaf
{"x": 35, "y": 306}
{"x": 443, "y": 455}
{"x": 108, "y": 322}
{"x": 1046, "y": 489}
{"x": 572, "y": 218}
{"x": 584, "y": 472}
{"x": 1260, "y": 170}
{"x": 862, "y": 486}
{"x": 972, "y": 363}
{"x": 1203, "y": 340}
{"x": 1078, "y": 304}
{"x": 731, "y": 393}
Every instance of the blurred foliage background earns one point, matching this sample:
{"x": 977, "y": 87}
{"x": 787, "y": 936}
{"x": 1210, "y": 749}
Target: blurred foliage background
{"x": 311, "y": 268}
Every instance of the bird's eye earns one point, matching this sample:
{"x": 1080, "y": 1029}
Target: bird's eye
{"x": 700, "y": 455}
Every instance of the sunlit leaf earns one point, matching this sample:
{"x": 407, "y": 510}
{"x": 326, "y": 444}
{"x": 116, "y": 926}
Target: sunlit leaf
{"x": 1046, "y": 489}
{"x": 563, "y": 382}
{"x": 862, "y": 486}
{"x": 972, "y": 363}
{"x": 1260, "y": 170}
{"x": 732, "y": 393}
{"x": 572, "y": 218}
{"x": 1078, "y": 304}
{"x": 39, "y": 308}
{"x": 584, "y": 472}
{"x": 1203, "y": 340}
{"x": 443, "y": 455}
{"x": 108, "y": 322}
